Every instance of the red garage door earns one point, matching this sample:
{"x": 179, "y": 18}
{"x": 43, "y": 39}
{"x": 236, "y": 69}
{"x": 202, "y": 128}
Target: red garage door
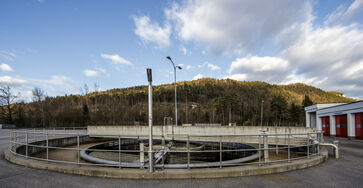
{"x": 325, "y": 125}
{"x": 341, "y": 126}
{"x": 358, "y": 126}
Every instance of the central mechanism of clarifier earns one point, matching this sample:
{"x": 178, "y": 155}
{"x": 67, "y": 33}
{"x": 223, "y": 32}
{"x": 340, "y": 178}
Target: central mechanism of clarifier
{"x": 170, "y": 154}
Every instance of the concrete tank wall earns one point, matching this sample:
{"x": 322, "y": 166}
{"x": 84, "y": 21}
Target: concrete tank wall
{"x": 181, "y": 132}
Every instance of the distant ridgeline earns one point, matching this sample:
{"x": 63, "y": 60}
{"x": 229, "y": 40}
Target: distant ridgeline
{"x": 201, "y": 101}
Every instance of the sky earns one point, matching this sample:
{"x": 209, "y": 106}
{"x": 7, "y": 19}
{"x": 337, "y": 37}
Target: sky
{"x": 59, "y": 46}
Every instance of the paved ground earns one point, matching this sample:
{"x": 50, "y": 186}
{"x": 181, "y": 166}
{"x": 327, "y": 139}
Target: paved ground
{"x": 345, "y": 172}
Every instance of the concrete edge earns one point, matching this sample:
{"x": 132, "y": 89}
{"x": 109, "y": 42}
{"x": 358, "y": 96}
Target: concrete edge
{"x": 127, "y": 173}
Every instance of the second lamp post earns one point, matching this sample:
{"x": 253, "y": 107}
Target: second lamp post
{"x": 176, "y": 102}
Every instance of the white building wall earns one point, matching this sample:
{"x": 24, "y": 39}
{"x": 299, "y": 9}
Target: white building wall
{"x": 318, "y": 124}
{"x": 351, "y": 125}
{"x": 332, "y": 125}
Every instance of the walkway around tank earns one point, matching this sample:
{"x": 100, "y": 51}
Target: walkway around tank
{"x": 345, "y": 172}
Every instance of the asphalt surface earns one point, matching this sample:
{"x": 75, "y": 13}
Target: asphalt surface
{"x": 345, "y": 172}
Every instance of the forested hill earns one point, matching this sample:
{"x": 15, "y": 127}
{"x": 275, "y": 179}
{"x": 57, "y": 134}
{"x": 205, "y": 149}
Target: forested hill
{"x": 201, "y": 101}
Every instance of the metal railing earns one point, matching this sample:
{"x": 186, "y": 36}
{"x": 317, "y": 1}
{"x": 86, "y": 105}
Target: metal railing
{"x": 66, "y": 147}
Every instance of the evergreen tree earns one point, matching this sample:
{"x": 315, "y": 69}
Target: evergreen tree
{"x": 279, "y": 108}
{"x": 307, "y": 101}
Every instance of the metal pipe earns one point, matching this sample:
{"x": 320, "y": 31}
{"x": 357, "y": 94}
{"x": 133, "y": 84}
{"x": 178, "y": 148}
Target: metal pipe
{"x": 334, "y": 146}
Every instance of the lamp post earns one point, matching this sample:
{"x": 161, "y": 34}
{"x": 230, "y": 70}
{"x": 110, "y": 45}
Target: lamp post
{"x": 176, "y": 102}
{"x": 261, "y": 112}
{"x": 151, "y": 154}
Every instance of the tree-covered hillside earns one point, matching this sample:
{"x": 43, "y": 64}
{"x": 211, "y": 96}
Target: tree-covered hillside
{"x": 201, "y": 101}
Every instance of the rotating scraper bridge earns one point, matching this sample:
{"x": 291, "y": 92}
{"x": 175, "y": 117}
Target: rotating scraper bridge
{"x": 122, "y": 151}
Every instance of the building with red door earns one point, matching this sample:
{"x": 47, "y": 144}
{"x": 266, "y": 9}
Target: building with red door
{"x": 337, "y": 119}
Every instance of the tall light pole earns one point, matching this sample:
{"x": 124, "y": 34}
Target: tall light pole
{"x": 261, "y": 112}
{"x": 151, "y": 154}
{"x": 176, "y": 102}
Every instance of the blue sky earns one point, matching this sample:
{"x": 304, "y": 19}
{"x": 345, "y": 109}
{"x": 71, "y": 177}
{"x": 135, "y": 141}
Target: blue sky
{"x": 61, "y": 45}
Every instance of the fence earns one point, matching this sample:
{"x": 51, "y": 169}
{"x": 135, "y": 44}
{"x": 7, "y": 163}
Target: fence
{"x": 67, "y": 147}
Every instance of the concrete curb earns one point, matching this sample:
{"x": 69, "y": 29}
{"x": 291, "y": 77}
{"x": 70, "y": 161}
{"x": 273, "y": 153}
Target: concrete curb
{"x": 109, "y": 172}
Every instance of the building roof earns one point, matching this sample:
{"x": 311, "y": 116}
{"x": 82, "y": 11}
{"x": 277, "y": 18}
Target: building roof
{"x": 338, "y": 106}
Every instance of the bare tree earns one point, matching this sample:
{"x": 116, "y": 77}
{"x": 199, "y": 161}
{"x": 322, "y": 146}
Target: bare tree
{"x": 96, "y": 87}
{"x": 6, "y": 99}
{"x": 39, "y": 96}
{"x": 84, "y": 89}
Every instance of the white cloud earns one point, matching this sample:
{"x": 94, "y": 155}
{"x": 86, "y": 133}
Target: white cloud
{"x": 184, "y": 50}
{"x": 213, "y": 67}
{"x": 258, "y": 64}
{"x": 239, "y": 77}
{"x": 270, "y": 69}
{"x": 332, "y": 55}
{"x": 328, "y": 56}
{"x": 5, "y": 67}
{"x": 152, "y": 32}
{"x": 59, "y": 80}
{"x": 90, "y": 73}
{"x": 344, "y": 15}
{"x": 198, "y": 76}
{"x": 235, "y": 26}
{"x": 188, "y": 67}
{"x": 7, "y": 80}
{"x": 7, "y": 56}
{"x": 116, "y": 59}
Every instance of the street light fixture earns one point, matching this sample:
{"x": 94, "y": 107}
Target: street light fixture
{"x": 176, "y": 103}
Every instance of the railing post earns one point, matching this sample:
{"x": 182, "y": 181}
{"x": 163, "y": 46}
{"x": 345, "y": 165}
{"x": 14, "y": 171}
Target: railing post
{"x": 78, "y": 147}
{"x": 47, "y": 144}
{"x": 142, "y": 155}
{"x": 14, "y": 142}
{"x": 321, "y": 136}
{"x": 259, "y": 150}
{"x": 220, "y": 152}
{"x": 308, "y": 144}
{"x": 265, "y": 147}
{"x": 188, "y": 150}
{"x": 26, "y": 144}
{"x": 317, "y": 146}
{"x": 11, "y": 141}
{"x": 163, "y": 146}
{"x": 288, "y": 148}
{"x": 119, "y": 151}
{"x": 276, "y": 140}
